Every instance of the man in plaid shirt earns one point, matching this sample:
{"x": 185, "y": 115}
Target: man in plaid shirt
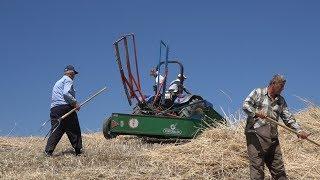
{"x": 261, "y": 135}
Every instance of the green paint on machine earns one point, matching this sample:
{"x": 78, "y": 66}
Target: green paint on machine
{"x": 154, "y": 126}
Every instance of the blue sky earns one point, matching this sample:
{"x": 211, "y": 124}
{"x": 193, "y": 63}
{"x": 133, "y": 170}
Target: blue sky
{"x": 229, "y": 46}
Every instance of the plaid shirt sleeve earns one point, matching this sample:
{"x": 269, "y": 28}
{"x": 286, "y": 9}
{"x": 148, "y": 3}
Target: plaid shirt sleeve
{"x": 248, "y": 104}
{"x": 288, "y": 118}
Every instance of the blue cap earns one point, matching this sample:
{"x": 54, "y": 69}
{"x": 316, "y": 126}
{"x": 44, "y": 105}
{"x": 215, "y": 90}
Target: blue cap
{"x": 70, "y": 67}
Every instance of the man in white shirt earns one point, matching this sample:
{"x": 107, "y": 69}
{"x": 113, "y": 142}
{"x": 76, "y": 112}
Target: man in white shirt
{"x": 175, "y": 85}
{"x": 159, "y": 79}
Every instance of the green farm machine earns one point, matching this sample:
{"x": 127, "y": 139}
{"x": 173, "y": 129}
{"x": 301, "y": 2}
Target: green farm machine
{"x": 167, "y": 113}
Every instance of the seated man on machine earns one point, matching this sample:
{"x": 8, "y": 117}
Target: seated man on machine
{"x": 175, "y": 88}
{"x": 158, "y": 79}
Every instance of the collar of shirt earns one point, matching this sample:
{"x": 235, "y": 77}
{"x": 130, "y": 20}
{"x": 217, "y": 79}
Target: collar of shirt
{"x": 265, "y": 92}
{"x": 67, "y": 77}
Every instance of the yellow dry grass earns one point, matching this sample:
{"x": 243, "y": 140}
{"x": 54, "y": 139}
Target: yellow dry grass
{"x": 217, "y": 154}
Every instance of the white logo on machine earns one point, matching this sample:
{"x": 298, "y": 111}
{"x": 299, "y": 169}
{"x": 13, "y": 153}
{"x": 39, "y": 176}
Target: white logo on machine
{"x": 133, "y": 123}
{"x": 121, "y": 123}
{"x": 172, "y": 130}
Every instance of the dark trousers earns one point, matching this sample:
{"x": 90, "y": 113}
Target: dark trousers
{"x": 261, "y": 151}
{"x": 69, "y": 125}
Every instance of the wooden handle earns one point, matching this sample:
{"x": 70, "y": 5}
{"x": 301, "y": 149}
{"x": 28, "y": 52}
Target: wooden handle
{"x": 89, "y": 99}
{"x": 289, "y": 129}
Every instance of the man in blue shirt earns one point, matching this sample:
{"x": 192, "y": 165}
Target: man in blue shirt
{"x": 63, "y": 100}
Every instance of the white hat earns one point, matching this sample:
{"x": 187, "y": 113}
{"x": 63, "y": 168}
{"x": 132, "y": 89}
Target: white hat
{"x": 179, "y": 75}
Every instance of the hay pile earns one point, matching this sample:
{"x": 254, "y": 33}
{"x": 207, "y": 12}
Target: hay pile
{"x": 217, "y": 154}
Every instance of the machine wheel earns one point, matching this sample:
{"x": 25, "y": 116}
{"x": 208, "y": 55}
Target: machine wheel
{"x": 106, "y": 129}
{"x": 193, "y": 110}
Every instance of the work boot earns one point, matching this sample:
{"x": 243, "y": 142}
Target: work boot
{"x": 78, "y": 151}
{"x": 48, "y": 153}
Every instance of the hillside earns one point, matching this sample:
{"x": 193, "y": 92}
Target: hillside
{"x": 218, "y": 153}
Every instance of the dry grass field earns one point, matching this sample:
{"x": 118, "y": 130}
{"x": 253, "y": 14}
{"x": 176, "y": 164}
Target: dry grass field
{"x": 217, "y": 154}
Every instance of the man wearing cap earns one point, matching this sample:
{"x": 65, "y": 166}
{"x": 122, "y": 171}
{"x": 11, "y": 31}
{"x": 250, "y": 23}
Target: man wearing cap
{"x": 63, "y": 100}
{"x": 176, "y": 85}
{"x": 262, "y": 136}
{"x": 175, "y": 88}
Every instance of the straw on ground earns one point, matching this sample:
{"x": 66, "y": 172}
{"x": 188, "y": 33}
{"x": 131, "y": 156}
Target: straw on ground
{"x": 218, "y": 153}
